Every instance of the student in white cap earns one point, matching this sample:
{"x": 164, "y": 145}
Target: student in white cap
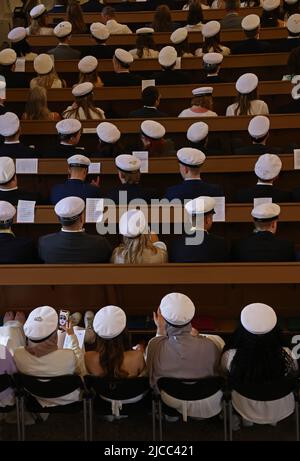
{"x": 150, "y": 99}
{"x": 190, "y": 162}
{"x": 63, "y": 50}
{"x": 100, "y": 34}
{"x": 77, "y": 184}
{"x": 271, "y": 14}
{"x": 179, "y": 38}
{"x": 263, "y": 245}
{"x": 130, "y": 187}
{"x": 256, "y": 356}
{"x": 201, "y": 104}
{"x": 167, "y": 58}
{"x": 258, "y": 130}
{"x": 110, "y": 143}
{"x": 145, "y": 45}
{"x": 46, "y": 74}
{"x": 20, "y": 45}
{"x": 247, "y": 98}
{"x": 38, "y": 25}
{"x": 122, "y": 76}
{"x": 176, "y": 353}
{"x": 84, "y": 107}
{"x": 212, "y": 65}
{"x": 153, "y": 139}
{"x": 208, "y": 248}
{"x": 267, "y": 170}
{"x": 108, "y": 16}
{"x": 289, "y": 8}
{"x": 72, "y": 244}
{"x": 8, "y": 58}
{"x": 139, "y": 245}
{"x": 88, "y": 71}
{"x": 211, "y": 43}
{"x": 293, "y": 39}
{"x": 252, "y": 44}
{"x": 197, "y": 134}
{"x": 10, "y": 130}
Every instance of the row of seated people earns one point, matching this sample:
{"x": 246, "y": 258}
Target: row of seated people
{"x": 255, "y": 355}
{"x": 195, "y": 244}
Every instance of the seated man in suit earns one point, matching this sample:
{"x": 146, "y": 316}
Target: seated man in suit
{"x": 63, "y": 51}
{"x": 69, "y": 132}
{"x": 267, "y": 169}
{"x": 197, "y": 134}
{"x": 150, "y": 99}
{"x": 263, "y": 245}
{"x": 252, "y": 44}
{"x": 10, "y": 130}
{"x": 190, "y": 162}
{"x": 100, "y": 33}
{"x": 72, "y": 244}
{"x": 13, "y": 249}
{"x": 76, "y": 185}
{"x": 258, "y": 130}
{"x": 169, "y": 76}
{"x": 122, "y": 76}
{"x": 8, "y": 58}
{"x": 130, "y": 176}
{"x": 209, "y": 248}
{"x": 9, "y": 190}
{"x": 293, "y": 39}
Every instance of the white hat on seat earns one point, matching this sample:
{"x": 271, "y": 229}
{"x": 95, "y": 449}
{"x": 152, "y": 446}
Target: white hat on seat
{"x": 124, "y": 56}
{"x": 179, "y": 35}
{"x": 87, "y": 64}
{"x": 152, "y": 129}
{"x": 109, "y": 322}
{"x": 17, "y": 34}
{"x": 197, "y": 132}
{"x": 144, "y": 30}
{"x": 268, "y": 166}
{"x": 258, "y": 318}
{"x": 37, "y": 11}
{"x": 211, "y": 28}
{"x": 250, "y": 22}
{"x": 200, "y": 205}
{"x": 293, "y": 24}
{"x": 132, "y": 224}
{"x": 212, "y": 58}
{"x": 202, "y": 90}
{"x": 43, "y": 64}
{"x": 270, "y": 5}
{"x": 82, "y": 89}
{"x": 63, "y": 29}
{"x": 79, "y": 160}
{"x": 259, "y": 126}
{"x": 167, "y": 56}
{"x": 7, "y": 169}
{"x": 7, "y": 212}
{"x": 9, "y": 124}
{"x": 68, "y": 126}
{"x": 127, "y": 163}
{"x": 177, "y": 308}
{"x": 108, "y": 132}
{"x": 8, "y": 57}
{"x": 41, "y": 323}
{"x": 69, "y": 208}
{"x": 190, "y": 157}
{"x": 246, "y": 83}
{"x": 99, "y": 31}
{"x": 266, "y": 212}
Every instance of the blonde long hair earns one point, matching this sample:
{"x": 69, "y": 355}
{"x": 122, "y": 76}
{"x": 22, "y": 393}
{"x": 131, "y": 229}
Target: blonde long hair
{"x": 36, "y": 24}
{"x": 92, "y": 77}
{"x": 132, "y": 249}
{"x": 46, "y": 81}
{"x": 36, "y": 106}
{"x": 243, "y": 106}
{"x": 86, "y": 103}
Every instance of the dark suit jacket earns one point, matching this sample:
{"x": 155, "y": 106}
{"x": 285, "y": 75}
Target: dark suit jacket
{"x": 252, "y": 46}
{"x": 74, "y": 247}
{"x": 134, "y": 191}
{"x": 190, "y": 189}
{"x": 74, "y": 188}
{"x": 171, "y": 77}
{"x": 64, "y": 151}
{"x": 15, "y": 79}
{"x": 62, "y": 52}
{"x": 259, "y": 149}
{"x": 122, "y": 79}
{"x": 258, "y": 191}
{"x": 100, "y": 51}
{"x": 287, "y": 44}
{"x": 213, "y": 79}
{"x": 212, "y": 249}
{"x": 296, "y": 194}
{"x": 147, "y": 112}
{"x": 17, "y": 150}
{"x": 293, "y": 107}
{"x": 3, "y": 109}
{"x": 231, "y": 21}
{"x": 263, "y": 247}
{"x": 17, "y": 250}
{"x": 92, "y": 6}
{"x": 14, "y": 196}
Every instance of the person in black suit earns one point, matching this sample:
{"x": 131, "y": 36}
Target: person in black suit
{"x": 252, "y": 44}
{"x": 199, "y": 245}
{"x": 150, "y": 100}
{"x": 267, "y": 169}
{"x": 69, "y": 131}
{"x": 122, "y": 76}
{"x": 13, "y": 249}
{"x": 76, "y": 185}
{"x": 293, "y": 39}
{"x": 130, "y": 176}
{"x": 169, "y": 76}
{"x": 110, "y": 144}
{"x": 100, "y": 33}
{"x": 8, "y": 58}
{"x": 190, "y": 161}
{"x": 263, "y": 245}
{"x": 92, "y": 6}
{"x": 258, "y": 130}
{"x": 72, "y": 245}
{"x": 63, "y": 50}
{"x": 197, "y": 134}
{"x": 212, "y": 66}
{"x": 10, "y": 130}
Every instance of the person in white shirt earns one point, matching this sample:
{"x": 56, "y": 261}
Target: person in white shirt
{"x": 145, "y": 45}
{"x": 202, "y": 104}
{"x": 247, "y": 100}
{"x": 211, "y": 35}
{"x": 46, "y": 73}
{"x": 84, "y": 108}
{"x": 38, "y": 21}
{"x": 114, "y": 27}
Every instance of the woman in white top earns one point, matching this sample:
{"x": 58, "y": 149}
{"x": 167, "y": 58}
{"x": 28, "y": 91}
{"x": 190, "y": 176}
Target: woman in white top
{"x": 84, "y": 108}
{"x": 202, "y": 104}
{"x": 256, "y": 356}
{"x": 194, "y": 17}
{"x": 87, "y": 67}
{"x": 46, "y": 73}
{"x": 38, "y": 22}
{"x": 247, "y": 100}
{"x": 145, "y": 45}
{"x": 138, "y": 246}
{"x": 211, "y": 44}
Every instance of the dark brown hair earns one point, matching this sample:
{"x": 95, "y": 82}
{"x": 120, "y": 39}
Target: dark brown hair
{"x": 111, "y": 354}
{"x": 75, "y": 17}
{"x": 162, "y": 21}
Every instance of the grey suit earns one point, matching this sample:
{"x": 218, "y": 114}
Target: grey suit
{"x": 231, "y": 21}
{"x": 74, "y": 247}
{"x": 61, "y": 52}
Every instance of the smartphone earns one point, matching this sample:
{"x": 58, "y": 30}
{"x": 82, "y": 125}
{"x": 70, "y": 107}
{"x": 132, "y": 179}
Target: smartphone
{"x": 64, "y": 316}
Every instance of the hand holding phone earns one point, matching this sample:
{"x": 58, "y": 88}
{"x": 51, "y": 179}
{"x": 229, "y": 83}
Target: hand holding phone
{"x": 64, "y": 316}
